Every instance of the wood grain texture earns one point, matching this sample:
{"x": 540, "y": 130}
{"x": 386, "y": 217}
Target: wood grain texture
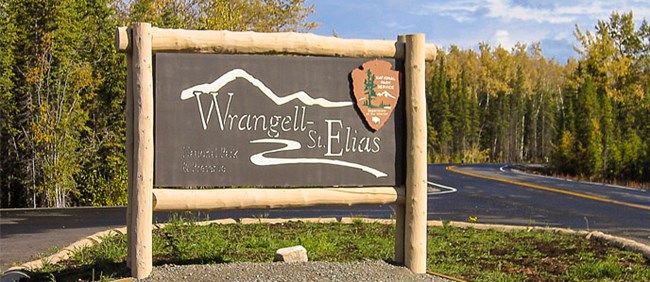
{"x": 415, "y": 243}
{"x": 257, "y": 198}
{"x": 281, "y": 43}
{"x": 143, "y": 151}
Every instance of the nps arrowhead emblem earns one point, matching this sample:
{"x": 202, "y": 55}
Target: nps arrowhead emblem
{"x": 376, "y": 90}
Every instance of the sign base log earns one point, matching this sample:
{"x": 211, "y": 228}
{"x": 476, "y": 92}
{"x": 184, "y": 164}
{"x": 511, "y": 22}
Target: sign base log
{"x": 415, "y": 242}
{"x": 224, "y": 199}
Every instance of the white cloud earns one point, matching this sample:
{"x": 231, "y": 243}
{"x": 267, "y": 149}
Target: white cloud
{"x": 502, "y": 37}
{"x": 567, "y": 35}
{"x": 394, "y": 25}
{"x": 505, "y": 10}
{"x": 465, "y": 23}
{"x": 553, "y": 11}
{"x": 460, "y": 11}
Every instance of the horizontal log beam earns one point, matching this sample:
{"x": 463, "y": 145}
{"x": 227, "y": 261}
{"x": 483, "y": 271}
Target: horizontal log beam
{"x": 252, "y": 198}
{"x": 248, "y": 42}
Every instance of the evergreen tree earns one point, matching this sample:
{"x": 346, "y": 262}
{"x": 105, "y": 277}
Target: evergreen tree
{"x": 62, "y": 88}
{"x": 517, "y": 117}
{"x": 12, "y": 194}
{"x": 369, "y": 89}
{"x": 441, "y": 114}
{"x": 588, "y": 129}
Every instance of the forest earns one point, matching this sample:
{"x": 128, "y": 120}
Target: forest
{"x": 589, "y": 117}
{"x": 62, "y": 96}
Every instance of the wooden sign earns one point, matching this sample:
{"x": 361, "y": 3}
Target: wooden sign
{"x": 237, "y": 120}
{"x": 376, "y": 89}
{"x": 268, "y": 121}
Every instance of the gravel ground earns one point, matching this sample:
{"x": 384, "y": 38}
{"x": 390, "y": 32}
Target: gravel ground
{"x": 371, "y": 270}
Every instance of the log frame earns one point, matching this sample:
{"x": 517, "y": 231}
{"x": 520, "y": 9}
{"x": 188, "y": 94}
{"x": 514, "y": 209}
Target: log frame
{"x": 141, "y": 41}
{"x": 143, "y": 112}
{"x": 278, "y": 43}
{"x": 415, "y": 235}
{"x": 271, "y": 198}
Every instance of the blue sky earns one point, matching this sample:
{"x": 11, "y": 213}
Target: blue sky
{"x": 465, "y": 23}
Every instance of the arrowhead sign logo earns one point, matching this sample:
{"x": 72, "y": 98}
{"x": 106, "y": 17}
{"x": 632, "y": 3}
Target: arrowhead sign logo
{"x": 376, "y": 89}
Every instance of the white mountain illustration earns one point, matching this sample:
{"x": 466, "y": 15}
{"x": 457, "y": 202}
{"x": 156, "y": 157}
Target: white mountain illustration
{"x": 230, "y": 76}
{"x": 386, "y": 94}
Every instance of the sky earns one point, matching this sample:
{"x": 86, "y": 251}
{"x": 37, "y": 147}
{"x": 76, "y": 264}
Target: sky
{"x": 466, "y": 23}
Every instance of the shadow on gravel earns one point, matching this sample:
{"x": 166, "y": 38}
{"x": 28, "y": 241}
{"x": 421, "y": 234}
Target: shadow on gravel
{"x": 97, "y": 272}
{"x": 107, "y": 269}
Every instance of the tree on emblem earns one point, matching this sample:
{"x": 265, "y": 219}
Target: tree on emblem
{"x": 369, "y": 89}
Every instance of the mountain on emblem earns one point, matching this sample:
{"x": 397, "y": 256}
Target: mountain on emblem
{"x": 376, "y": 89}
{"x": 386, "y": 94}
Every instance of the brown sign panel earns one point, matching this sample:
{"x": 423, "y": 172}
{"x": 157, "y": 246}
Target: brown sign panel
{"x": 245, "y": 120}
{"x": 376, "y": 89}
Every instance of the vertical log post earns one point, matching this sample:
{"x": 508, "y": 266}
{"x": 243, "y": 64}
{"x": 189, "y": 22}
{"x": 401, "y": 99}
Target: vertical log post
{"x": 415, "y": 242}
{"x": 400, "y": 208}
{"x": 142, "y": 205}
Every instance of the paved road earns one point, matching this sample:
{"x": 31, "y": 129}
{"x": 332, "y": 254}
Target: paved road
{"x": 25, "y": 233}
{"x": 618, "y": 211}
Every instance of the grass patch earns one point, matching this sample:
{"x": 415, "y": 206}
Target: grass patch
{"x": 472, "y": 254}
{"x": 488, "y": 255}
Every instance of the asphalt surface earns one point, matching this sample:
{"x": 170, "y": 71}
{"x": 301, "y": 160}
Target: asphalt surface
{"x": 506, "y": 203}
{"x": 27, "y": 233}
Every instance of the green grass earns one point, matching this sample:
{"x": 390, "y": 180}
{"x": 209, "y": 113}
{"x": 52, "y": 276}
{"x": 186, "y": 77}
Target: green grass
{"x": 472, "y": 254}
